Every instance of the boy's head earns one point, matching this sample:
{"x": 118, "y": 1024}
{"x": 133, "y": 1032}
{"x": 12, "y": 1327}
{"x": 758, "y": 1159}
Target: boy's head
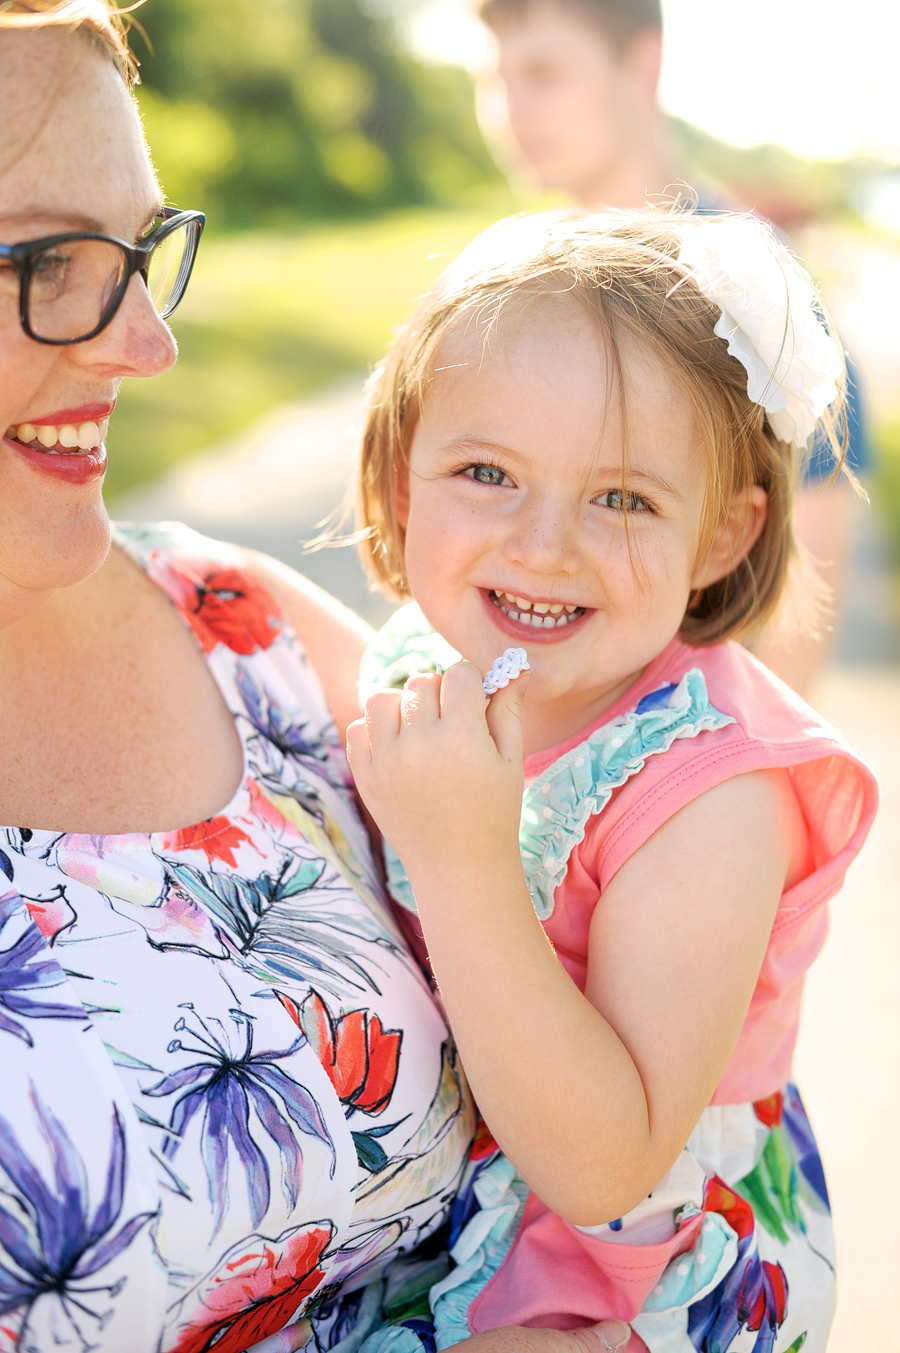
{"x": 621, "y": 270}
{"x": 572, "y": 96}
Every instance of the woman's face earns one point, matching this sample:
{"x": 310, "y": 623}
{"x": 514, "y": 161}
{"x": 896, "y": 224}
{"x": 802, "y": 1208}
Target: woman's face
{"x": 72, "y": 158}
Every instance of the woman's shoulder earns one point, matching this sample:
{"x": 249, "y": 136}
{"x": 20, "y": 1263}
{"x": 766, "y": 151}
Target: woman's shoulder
{"x": 234, "y": 596}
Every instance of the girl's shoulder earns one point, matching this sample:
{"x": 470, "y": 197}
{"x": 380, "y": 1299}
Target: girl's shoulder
{"x": 764, "y": 726}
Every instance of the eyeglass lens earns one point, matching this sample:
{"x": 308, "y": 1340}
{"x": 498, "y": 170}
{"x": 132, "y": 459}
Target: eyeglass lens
{"x": 75, "y": 285}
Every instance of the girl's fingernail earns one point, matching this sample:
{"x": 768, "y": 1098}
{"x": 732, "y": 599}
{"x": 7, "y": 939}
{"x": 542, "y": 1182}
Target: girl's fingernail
{"x": 614, "y": 1334}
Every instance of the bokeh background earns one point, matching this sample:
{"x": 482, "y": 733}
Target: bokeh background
{"x": 335, "y": 148}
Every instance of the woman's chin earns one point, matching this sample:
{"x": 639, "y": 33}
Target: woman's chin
{"x": 44, "y": 551}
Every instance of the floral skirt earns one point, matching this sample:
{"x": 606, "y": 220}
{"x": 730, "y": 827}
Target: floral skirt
{"x": 732, "y": 1252}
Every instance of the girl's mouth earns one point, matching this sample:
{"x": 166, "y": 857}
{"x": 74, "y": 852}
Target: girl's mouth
{"x": 539, "y": 615}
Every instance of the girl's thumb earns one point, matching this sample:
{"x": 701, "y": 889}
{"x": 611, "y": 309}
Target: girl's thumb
{"x": 504, "y": 716}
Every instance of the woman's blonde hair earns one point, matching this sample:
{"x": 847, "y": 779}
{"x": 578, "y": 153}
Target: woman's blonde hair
{"x": 104, "y": 24}
{"x": 622, "y": 269}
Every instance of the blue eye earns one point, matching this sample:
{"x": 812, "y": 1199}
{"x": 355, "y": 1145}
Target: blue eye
{"x": 487, "y": 474}
{"x": 621, "y": 501}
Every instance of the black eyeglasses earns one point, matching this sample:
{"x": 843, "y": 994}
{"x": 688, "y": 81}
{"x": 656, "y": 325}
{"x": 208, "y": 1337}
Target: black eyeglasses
{"x": 70, "y": 286}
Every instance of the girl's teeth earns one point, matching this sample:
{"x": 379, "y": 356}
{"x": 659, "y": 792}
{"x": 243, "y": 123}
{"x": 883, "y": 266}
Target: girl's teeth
{"x": 555, "y": 610}
{"x": 542, "y": 607}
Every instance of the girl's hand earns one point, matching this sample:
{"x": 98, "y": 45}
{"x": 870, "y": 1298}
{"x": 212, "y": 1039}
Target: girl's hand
{"x": 440, "y": 770}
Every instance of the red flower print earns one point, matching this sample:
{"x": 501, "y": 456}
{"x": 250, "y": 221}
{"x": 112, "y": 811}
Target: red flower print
{"x": 51, "y": 914}
{"x": 359, "y": 1056}
{"x": 730, "y": 1205}
{"x": 256, "y": 1290}
{"x": 483, "y": 1144}
{"x": 769, "y": 1111}
{"x": 217, "y": 838}
{"x": 771, "y": 1298}
{"x": 230, "y": 608}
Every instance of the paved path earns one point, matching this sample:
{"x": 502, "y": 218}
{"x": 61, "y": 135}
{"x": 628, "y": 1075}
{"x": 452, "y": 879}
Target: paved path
{"x": 271, "y": 488}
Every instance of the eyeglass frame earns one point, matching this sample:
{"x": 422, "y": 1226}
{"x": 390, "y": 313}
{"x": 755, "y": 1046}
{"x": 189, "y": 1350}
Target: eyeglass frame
{"x": 138, "y": 259}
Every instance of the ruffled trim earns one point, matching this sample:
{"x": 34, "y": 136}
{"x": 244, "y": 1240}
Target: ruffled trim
{"x": 558, "y": 803}
{"x": 406, "y": 644}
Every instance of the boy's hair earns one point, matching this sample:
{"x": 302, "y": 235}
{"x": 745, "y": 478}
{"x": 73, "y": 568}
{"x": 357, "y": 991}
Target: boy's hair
{"x": 621, "y": 268}
{"x": 618, "y": 20}
{"x": 104, "y": 25}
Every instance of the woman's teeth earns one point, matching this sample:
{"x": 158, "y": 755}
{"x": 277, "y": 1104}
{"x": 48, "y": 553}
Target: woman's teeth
{"x": 65, "y": 439}
{"x": 539, "y": 614}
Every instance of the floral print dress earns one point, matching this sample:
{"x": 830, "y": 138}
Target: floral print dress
{"x": 227, "y": 1099}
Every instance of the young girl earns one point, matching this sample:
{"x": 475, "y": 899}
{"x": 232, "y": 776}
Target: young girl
{"x": 585, "y": 444}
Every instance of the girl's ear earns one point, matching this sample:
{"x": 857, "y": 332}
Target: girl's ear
{"x": 736, "y": 534}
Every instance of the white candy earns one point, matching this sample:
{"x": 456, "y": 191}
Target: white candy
{"x": 505, "y": 669}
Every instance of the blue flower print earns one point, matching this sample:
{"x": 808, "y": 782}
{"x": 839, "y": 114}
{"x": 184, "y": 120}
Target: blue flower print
{"x": 27, "y": 972}
{"x": 52, "y": 1243}
{"x": 226, "y": 1085}
{"x": 283, "y": 731}
{"x": 288, "y": 921}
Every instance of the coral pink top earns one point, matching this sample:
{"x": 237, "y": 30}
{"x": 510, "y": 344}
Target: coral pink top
{"x": 773, "y": 728}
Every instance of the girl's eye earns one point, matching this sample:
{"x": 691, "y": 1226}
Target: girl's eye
{"x": 622, "y": 501}
{"x": 487, "y": 474}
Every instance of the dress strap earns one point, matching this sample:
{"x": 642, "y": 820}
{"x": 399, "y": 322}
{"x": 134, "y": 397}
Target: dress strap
{"x": 557, "y": 805}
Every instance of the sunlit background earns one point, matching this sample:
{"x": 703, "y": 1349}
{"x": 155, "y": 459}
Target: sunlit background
{"x": 335, "y": 148}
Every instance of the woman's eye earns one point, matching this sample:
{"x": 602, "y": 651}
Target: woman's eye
{"x": 487, "y": 474}
{"x": 622, "y": 501}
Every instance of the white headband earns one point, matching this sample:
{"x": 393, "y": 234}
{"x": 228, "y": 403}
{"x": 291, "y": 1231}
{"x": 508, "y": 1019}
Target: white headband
{"x": 770, "y": 320}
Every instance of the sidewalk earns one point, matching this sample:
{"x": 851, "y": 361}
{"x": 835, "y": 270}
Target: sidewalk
{"x": 271, "y": 488}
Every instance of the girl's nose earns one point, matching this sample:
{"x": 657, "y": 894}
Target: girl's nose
{"x": 136, "y": 342}
{"x": 544, "y": 539}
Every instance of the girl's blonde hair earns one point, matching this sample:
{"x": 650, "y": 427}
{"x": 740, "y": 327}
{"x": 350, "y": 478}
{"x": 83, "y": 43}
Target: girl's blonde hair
{"x": 622, "y": 269}
{"x": 101, "y": 22}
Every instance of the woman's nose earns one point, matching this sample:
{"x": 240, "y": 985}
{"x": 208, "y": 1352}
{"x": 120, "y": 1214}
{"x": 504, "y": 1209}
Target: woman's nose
{"x": 136, "y": 342}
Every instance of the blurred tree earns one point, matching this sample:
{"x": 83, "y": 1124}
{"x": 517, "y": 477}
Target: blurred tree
{"x": 263, "y": 111}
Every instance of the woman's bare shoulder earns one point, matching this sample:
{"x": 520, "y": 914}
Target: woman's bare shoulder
{"x": 333, "y": 636}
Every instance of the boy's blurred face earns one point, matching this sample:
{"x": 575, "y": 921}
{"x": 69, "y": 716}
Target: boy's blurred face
{"x": 563, "y": 103}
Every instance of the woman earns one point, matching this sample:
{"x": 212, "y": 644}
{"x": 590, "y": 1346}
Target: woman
{"x": 228, "y": 1101}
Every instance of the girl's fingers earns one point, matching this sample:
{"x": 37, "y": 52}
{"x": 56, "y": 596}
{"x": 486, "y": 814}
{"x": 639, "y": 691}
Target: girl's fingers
{"x": 462, "y": 691}
{"x": 359, "y": 749}
{"x": 421, "y": 696}
{"x": 504, "y": 717}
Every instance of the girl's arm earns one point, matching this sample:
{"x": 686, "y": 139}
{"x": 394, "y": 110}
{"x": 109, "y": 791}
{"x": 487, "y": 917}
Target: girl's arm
{"x": 592, "y": 1097}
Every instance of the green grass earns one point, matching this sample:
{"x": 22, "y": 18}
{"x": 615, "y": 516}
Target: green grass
{"x": 273, "y": 317}
{"x": 886, "y": 487}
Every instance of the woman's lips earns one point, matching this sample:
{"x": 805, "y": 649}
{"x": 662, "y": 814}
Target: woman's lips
{"x": 77, "y": 465}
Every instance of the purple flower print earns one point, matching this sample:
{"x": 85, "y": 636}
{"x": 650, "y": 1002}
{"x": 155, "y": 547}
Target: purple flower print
{"x": 225, "y": 1086}
{"x": 52, "y": 1242}
{"x": 27, "y": 973}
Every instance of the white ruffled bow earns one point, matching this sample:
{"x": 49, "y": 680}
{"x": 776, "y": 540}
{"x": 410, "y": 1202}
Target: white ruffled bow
{"x": 770, "y": 320}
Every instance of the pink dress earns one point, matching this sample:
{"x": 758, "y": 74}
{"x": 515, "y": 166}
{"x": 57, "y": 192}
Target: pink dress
{"x": 733, "y": 1250}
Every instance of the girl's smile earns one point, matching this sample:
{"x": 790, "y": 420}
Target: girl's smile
{"x": 539, "y": 511}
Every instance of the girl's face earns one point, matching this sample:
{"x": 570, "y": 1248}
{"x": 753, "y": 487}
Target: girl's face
{"x": 72, "y": 158}
{"x": 514, "y": 512}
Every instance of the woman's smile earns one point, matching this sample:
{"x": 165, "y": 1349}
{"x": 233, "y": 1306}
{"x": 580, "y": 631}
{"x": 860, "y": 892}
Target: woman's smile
{"x": 68, "y": 444}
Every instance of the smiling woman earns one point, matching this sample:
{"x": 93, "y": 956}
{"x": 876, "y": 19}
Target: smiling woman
{"x": 229, "y": 1104}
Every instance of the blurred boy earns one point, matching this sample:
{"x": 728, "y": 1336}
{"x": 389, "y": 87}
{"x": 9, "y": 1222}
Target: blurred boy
{"x": 572, "y": 103}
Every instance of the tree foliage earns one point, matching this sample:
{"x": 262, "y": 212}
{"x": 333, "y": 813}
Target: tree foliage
{"x": 270, "y": 110}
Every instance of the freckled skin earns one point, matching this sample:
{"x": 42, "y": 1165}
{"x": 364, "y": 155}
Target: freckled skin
{"x": 536, "y": 403}
{"x": 73, "y": 157}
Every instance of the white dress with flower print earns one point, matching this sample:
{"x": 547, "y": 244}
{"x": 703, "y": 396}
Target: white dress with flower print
{"x": 227, "y": 1099}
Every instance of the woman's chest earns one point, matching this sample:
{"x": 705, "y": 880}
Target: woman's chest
{"x": 290, "y": 1073}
